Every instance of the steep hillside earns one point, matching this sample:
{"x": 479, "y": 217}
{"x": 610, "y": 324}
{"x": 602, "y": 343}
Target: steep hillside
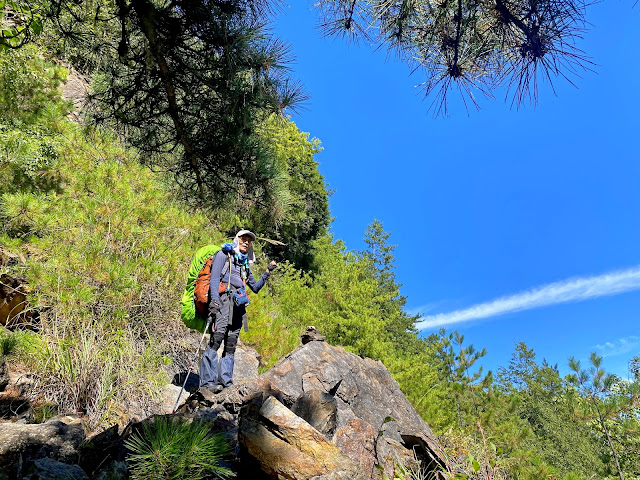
{"x": 99, "y": 246}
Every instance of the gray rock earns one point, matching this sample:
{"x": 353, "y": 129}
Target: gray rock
{"x": 247, "y": 361}
{"x": 319, "y": 409}
{"x": 365, "y": 395}
{"x": 21, "y": 445}
{"x": 357, "y": 440}
{"x": 169, "y": 395}
{"x": 49, "y": 469}
{"x": 115, "y": 471}
{"x": 392, "y": 455}
{"x": 361, "y": 385}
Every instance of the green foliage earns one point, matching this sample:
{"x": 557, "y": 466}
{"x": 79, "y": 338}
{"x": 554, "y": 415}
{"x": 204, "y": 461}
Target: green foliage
{"x": 302, "y": 213}
{"x": 20, "y": 21}
{"x": 634, "y": 367}
{"x": 108, "y": 254}
{"x": 81, "y": 35}
{"x": 8, "y": 343}
{"x": 190, "y": 86}
{"x": 543, "y": 407}
{"x": 175, "y": 450}
{"x": 390, "y": 303}
{"x": 273, "y": 335}
{"x": 30, "y": 109}
{"x": 29, "y": 87}
{"x": 458, "y": 370}
{"x": 338, "y": 299}
{"x": 44, "y": 412}
{"x": 28, "y": 160}
{"x": 19, "y": 344}
{"x": 602, "y": 403}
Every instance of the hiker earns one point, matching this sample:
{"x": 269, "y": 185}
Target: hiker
{"x": 230, "y": 273}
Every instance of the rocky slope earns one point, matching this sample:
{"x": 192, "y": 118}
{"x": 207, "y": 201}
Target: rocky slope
{"x": 320, "y": 413}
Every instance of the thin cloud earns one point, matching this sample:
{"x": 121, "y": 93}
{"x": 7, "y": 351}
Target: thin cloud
{"x": 570, "y": 290}
{"x": 619, "y": 347}
{"x": 429, "y": 307}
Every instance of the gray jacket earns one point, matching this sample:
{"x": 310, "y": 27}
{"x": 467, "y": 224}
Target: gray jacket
{"x": 236, "y": 277}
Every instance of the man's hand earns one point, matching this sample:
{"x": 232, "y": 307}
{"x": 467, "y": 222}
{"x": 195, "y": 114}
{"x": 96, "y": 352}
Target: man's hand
{"x": 272, "y": 266}
{"x": 214, "y": 309}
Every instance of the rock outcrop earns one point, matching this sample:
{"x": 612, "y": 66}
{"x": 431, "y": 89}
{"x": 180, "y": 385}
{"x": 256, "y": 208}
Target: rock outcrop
{"x": 354, "y": 404}
{"x": 320, "y": 413}
{"x": 288, "y": 447}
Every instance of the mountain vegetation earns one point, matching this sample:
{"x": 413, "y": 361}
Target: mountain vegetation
{"x": 107, "y": 212}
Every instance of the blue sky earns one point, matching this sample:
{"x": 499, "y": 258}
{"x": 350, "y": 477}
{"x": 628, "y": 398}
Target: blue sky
{"x": 528, "y": 218}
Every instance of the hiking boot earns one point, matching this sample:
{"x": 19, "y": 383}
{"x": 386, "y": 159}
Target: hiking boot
{"x": 212, "y": 390}
{"x": 217, "y": 388}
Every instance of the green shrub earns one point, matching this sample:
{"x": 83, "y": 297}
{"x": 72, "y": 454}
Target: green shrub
{"x": 8, "y": 343}
{"x": 20, "y": 344}
{"x": 173, "y": 450}
{"x": 29, "y": 87}
{"x": 31, "y": 114}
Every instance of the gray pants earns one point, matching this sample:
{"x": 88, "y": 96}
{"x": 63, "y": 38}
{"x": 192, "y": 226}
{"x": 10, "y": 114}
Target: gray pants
{"x": 214, "y": 371}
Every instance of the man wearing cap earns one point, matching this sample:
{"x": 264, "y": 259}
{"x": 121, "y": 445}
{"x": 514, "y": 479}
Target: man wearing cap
{"x": 227, "y": 307}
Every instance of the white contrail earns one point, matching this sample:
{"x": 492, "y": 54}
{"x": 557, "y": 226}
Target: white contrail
{"x": 571, "y": 290}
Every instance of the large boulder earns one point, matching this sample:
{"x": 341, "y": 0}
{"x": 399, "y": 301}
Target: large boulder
{"x": 21, "y": 445}
{"x": 363, "y": 388}
{"x": 354, "y": 402}
{"x": 287, "y": 447}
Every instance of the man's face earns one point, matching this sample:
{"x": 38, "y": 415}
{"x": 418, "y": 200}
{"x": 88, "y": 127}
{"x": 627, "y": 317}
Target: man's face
{"x": 244, "y": 243}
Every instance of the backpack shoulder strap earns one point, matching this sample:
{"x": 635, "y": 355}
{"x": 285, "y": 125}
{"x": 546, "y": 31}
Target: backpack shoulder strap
{"x": 225, "y": 269}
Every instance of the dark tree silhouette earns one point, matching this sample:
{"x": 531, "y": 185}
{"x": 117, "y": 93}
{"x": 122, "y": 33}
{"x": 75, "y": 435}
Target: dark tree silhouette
{"x": 189, "y": 82}
{"x": 472, "y": 45}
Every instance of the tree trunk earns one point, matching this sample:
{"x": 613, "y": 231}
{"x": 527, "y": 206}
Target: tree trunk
{"x": 606, "y": 431}
{"x": 145, "y": 13}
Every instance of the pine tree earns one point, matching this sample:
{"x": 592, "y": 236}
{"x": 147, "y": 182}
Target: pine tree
{"x": 380, "y": 260}
{"x": 595, "y": 384}
{"x": 544, "y": 406}
{"x": 189, "y": 83}
{"x": 472, "y": 46}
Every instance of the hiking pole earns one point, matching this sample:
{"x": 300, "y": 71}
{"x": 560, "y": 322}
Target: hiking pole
{"x": 191, "y": 367}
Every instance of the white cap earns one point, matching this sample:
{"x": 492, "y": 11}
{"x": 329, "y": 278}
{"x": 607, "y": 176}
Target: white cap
{"x": 246, "y": 232}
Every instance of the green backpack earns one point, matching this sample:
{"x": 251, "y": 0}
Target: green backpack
{"x": 192, "y": 318}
